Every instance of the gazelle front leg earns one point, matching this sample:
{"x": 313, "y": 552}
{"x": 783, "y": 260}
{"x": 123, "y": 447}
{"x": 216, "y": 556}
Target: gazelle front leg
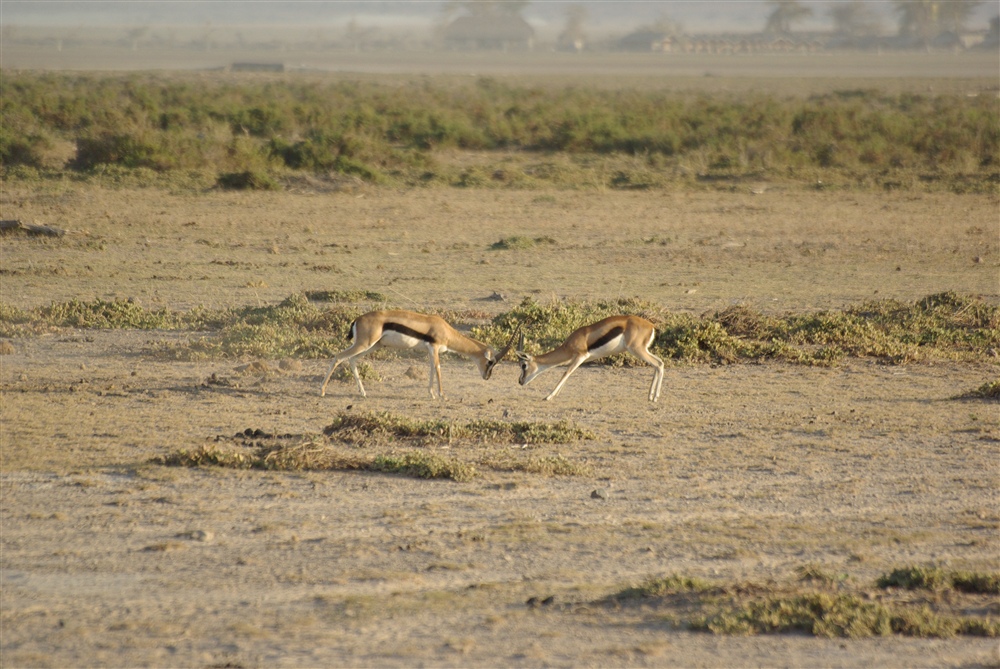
{"x": 348, "y": 356}
{"x": 329, "y": 375}
{"x": 435, "y": 358}
{"x": 572, "y": 368}
{"x": 353, "y": 362}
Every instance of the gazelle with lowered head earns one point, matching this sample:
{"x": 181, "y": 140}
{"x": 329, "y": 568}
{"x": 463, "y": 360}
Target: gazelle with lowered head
{"x": 607, "y": 337}
{"x": 408, "y": 329}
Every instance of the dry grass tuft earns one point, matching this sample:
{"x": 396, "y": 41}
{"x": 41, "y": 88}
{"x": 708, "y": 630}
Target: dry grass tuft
{"x": 819, "y": 605}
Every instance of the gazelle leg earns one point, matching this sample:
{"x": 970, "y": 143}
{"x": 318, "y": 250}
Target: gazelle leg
{"x": 436, "y": 371}
{"x": 353, "y": 362}
{"x": 431, "y": 372}
{"x": 347, "y": 355}
{"x": 329, "y": 375}
{"x": 569, "y": 370}
{"x": 654, "y": 389}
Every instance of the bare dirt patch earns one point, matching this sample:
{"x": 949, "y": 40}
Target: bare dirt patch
{"x": 741, "y": 474}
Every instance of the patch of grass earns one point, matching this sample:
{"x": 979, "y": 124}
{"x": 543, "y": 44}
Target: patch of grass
{"x": 209, "y": 456}
{"x": 935, "y": 578}
{"x": 423, "y": 465}
{"x": 312, "y": 455}
{"x": 294, "y": 328}
{"x": 553, "y": 465}
{"x": 660, "y": 587}
{"x": 838, "y": 615}
{"x": 103, "y": 314}
{"x": 382, "y": 431}
{"x": 368, "y": 426}
{"x": 345, "y": 296}
{"x": 384, "y": 426}
{"x": 827, "y": 611}
{"x": 523, "y": 432}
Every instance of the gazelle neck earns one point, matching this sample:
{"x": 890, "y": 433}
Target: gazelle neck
{"x": 459, "y": 343}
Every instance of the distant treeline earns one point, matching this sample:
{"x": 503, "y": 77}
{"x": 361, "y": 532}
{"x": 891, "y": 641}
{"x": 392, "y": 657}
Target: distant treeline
{"x": 385, "y": 131}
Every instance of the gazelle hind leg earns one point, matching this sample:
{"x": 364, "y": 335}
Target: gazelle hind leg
{"x": 572, "y": 368}
{"x": 654, "y": 388}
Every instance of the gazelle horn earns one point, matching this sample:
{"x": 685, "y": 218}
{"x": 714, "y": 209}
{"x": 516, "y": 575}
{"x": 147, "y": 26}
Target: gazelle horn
{"x": 502, "y": 353}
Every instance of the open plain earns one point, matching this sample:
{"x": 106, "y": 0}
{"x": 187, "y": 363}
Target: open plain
{"x": 740, "y": 474}
{"x": 755, "y": 479}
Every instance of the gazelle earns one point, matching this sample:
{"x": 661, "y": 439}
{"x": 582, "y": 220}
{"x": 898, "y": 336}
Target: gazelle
{"x": 612, "y": 335}
{"x": 407, "y": 329}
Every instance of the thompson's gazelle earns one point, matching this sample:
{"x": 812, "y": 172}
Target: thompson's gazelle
{"x": 611, "y": 335}
{"x": 407, "y": 329}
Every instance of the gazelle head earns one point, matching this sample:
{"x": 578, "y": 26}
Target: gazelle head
{"x": 491, "y": 358}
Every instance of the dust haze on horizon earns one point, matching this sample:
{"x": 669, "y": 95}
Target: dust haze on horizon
{"x": 418, "y": 19}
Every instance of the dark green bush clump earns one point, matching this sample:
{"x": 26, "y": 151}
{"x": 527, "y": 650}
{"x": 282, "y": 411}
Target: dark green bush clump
{"x": 934, "y": 578}
{"x": 247, "y": 180}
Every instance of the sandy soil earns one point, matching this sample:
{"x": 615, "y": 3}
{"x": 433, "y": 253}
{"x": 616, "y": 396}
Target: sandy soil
{"x": 739, "y": 473}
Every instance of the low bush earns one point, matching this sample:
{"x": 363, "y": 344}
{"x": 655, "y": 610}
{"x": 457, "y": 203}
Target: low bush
{"x": 382, "y": 131}
{"x": 822, "y": 606}
{"x": 935, "y": 578}
{"x": 247, "y": 180}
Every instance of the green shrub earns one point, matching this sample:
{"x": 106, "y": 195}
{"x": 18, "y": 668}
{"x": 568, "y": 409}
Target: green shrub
{"x": 934, "y": 578}
{"x": 114, "y": 148}
{"x": 22, "y": 149}
{"x": 247, "y": 180}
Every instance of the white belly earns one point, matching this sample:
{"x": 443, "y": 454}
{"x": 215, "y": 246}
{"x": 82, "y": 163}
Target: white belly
{"x": 394, "y": 339}
{"x": 616, "y": 345}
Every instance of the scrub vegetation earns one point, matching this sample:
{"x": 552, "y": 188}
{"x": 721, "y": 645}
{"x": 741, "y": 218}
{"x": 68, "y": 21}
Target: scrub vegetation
{"x": 944, "y": 326}
{"x": 254, "y": 134}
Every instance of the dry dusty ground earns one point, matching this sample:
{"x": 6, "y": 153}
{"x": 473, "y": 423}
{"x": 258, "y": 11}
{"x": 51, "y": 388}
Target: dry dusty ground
{"x": 740, "y": 473}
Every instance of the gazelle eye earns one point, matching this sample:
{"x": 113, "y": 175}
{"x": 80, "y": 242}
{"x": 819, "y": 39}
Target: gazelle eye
{"x": 524, "y": 366}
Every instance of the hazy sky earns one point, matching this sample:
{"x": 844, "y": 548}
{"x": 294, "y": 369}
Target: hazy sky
{"x": 695, "y": 16}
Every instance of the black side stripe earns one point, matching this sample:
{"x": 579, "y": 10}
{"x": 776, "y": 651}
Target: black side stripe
{"x": 409, "y": 332}
{"x": 612, "y": 333}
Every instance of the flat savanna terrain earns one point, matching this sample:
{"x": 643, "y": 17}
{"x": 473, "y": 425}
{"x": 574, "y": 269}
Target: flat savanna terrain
{"x": 751, "y": 478}
{"x": 741, "y": 474}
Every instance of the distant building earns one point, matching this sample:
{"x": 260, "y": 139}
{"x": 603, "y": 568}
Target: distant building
{"x": 506, "y": 33}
